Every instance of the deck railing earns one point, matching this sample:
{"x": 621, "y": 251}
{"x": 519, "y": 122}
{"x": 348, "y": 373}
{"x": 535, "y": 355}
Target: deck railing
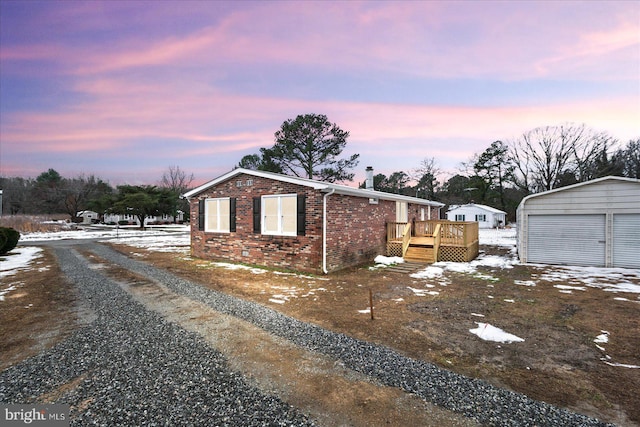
{"x": 406, "y": 238}
{"x": 450, "y": 233}
{"x": 437, "y": 240}
{"x": 395, "y": 230}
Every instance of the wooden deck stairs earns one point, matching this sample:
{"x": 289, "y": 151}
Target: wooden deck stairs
{"x": 433, "y": 240}
{"x": 421, "y": 249}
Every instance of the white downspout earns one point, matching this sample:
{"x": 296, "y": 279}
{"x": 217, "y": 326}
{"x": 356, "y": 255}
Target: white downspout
{"x": 324, "y": 230}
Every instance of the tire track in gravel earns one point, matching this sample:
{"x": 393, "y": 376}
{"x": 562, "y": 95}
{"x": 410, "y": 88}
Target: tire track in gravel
{"x": 472, "y": 398}
{"x": 129, "y": 367}
{"x": 316, "y": 384}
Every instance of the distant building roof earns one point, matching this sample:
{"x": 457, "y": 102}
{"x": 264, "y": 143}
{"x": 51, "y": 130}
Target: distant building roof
{"x": 475, "y": 205}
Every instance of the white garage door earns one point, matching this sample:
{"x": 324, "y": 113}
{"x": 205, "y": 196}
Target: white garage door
{"x": 626, "y": 240}
{"x": 566, "y": 239}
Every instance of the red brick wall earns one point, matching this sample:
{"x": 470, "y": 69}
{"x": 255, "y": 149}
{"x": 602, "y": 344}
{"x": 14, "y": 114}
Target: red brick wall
{"x": 293, "y": 252}
{"x": 356, "y": 230}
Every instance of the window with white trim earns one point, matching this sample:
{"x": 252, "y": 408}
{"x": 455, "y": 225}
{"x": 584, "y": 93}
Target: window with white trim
{"x": 217, "y": 215}
{"x": 481, "y": 218}
{"x": 459, "y": 217}
{"x": 279, "y": 215}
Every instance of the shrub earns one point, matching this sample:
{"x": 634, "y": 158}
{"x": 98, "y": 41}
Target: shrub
{"x": 9, "y": 239}
{"x": 3, "y": 238}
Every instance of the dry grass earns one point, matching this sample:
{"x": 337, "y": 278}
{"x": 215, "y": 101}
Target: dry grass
{"x": 37, "y": 314}
{"x": 35, "y": 223}
{"x": 557, "y": 363}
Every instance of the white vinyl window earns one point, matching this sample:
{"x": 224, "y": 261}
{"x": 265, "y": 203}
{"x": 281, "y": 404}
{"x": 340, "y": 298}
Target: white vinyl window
{"x": 217, "y": 215}
{"x": 279, "y": 215}
{"x": 459, "y": 217}
{"x": 481, "y": 218}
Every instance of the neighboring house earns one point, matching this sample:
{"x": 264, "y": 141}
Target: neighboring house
{"x": 149, "y": 220}
{"x": 88, "y": 217}
{"x": 283, "y": 221}
{"x": 594, "y": 223}
{"x": 485, "y": 216}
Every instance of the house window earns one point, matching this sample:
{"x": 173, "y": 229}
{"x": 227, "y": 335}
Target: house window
{"x": 279, "y": 215}
{"x": 459, "y": 217}
{"x": 481, "y": 218}
{"x": 217, "y": 215}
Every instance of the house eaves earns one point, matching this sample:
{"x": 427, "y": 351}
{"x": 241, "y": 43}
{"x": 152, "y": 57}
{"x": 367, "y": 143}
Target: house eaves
{"x": 325, "y": 187}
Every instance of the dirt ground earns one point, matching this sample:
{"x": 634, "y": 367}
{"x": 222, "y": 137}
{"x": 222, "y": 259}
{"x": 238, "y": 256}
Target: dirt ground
{"x": 558, "y": 362}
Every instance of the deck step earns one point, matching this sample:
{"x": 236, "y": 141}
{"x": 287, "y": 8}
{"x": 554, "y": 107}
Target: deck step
{"x": 406, "y": 267}
{"x": 420, "y": 254}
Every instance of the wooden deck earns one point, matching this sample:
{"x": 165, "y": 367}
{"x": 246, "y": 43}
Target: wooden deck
{"x": 432, "y": 241}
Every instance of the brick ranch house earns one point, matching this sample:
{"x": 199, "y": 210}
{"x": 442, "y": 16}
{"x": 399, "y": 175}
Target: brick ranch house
{"x": 282, "y": 221}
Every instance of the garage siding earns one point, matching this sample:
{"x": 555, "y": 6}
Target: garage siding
{"x": 626, "y": 240}
{"x": 566, "y": 240}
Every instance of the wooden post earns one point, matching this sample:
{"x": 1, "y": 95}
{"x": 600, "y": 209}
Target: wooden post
{"x": 371, "y": 302}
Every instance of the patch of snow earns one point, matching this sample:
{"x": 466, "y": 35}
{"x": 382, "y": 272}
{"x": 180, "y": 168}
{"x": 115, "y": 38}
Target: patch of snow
{"x": 477, "y": 314}
{"x": 489, "y": 332}
{"x": 509, "y": 300}
{"x": 367, "y": 311}
{"x": 277, "y": 301}
{"x": 230, "y": 266}
{"x": 524, "y": 282}
{"x": 387, "y": 260}
{"x": 430, "y": 272}
{"x": 19, "y": 258}
{"x": 602, "y": 338}
{"x": 622, "y": 365}
{"x": 423, "y": 292}
{"x": 497, "y": 237}
{"x": 570, "y": 288}
{"x": 159, "y": 243}
{"x": 607, "y": 279}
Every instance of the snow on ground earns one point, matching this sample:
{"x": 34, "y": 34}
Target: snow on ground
{"x": 176, "y": 239}
{"x": 18, "y": 259}
{"x": 489, "y": 332}
{"x": 106, "y": 232}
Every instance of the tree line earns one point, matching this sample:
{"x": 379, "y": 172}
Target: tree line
{"x": 310, "y": 146}
{"x": 541, "y": 159}
{"x": 50, "y": 193}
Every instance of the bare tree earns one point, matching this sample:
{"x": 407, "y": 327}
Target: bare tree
{"x": 176, "y": 179}
{"x": 630, "y": 156}
{"x": 545, "y": 156}
{"x": 425, "y": 177}
{"x": 178, "y": 182}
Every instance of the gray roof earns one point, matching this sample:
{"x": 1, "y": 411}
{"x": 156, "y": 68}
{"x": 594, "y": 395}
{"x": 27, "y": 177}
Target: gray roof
{"x": 325, "y": 187}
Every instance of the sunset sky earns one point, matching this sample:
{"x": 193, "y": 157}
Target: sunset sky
{"x": 125, "y": 89}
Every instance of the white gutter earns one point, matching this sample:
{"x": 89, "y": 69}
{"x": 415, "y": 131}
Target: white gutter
{"x": 324, "y": 230}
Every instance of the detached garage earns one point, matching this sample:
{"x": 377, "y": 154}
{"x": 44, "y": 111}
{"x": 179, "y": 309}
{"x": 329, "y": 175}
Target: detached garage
{"x": 594, "y": 223}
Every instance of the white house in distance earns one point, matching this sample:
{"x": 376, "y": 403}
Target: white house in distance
{"x": 149, "y": 220}
{"x": 485, "y": 216}
{"x": 88, "y": 217}
{"x": 594, "y": 223}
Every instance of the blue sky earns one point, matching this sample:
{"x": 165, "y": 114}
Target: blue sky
{"x": 123, "y": 90}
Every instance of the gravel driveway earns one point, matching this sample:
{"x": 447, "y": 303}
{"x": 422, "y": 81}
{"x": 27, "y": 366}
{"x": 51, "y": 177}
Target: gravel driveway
{"x": 128, "y": 366}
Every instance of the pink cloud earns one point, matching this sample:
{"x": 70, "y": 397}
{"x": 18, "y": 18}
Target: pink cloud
{"x": 426, "y": 39}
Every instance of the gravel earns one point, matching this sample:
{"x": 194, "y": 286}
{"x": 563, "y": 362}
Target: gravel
{"x": 137, "y": 369}
{"x": 132, "y": 368}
